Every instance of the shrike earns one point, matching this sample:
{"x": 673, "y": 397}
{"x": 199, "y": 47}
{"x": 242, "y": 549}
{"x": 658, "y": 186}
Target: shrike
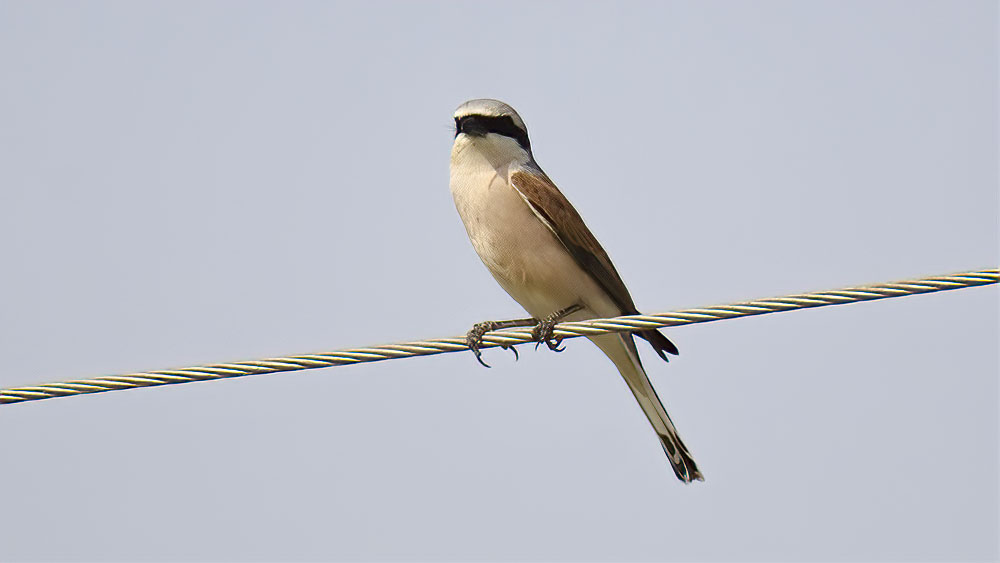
{"x": 540, "y": 251}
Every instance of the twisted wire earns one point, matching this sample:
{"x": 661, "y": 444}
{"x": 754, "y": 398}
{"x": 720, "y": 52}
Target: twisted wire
{"x": 499, "y": 338}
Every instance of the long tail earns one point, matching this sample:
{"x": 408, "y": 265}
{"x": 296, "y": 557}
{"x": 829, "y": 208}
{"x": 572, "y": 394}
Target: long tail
{"x": 621, "y": 349}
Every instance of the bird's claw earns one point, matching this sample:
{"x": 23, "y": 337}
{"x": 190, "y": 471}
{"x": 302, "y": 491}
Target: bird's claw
{"x": 512, "y": 349}
{"x": 543, "y": 332}
{"x": 474, "y": 340}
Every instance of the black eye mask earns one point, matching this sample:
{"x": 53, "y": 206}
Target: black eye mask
{"x": 479, "y": 125}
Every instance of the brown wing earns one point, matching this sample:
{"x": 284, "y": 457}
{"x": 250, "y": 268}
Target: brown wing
{"x": 552, "y": 207}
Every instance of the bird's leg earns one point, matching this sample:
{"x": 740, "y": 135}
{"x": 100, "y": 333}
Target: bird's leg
{"x": 543, "y": 330}
{"x": 474, "y": 338}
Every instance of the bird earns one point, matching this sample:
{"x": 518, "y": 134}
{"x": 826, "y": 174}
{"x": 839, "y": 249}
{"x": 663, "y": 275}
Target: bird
{"x": 540, "y": 251}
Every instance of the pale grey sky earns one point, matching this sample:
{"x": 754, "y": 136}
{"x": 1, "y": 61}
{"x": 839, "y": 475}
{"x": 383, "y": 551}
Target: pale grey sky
{"x": 183, "y": 183}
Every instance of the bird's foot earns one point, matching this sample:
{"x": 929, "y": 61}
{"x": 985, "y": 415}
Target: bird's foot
{"x": 543, "y": 333}
{"x": 474, "y": 338}
{"x": 544, "y": 330}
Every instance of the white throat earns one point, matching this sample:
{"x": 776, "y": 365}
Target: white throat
{"x": 474, "y": 154}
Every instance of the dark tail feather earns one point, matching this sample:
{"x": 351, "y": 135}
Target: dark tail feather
{"x": 621, "y": 349}
{"x": 659, "y": 343}
{"x": 680, "y": 459}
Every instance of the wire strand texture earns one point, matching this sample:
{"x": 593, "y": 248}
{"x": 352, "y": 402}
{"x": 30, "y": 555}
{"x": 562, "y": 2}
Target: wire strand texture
{"x": 499, "y": 338}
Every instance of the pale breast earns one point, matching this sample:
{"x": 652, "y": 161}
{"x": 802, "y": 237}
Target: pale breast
{"x": 526, "y": 259}
{"x": 500, "y": 225}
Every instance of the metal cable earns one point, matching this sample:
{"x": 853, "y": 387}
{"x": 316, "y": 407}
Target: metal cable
{"x": 504, "y": 337}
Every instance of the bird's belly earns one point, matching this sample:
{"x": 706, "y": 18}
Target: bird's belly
{"x": 524, "y": 256}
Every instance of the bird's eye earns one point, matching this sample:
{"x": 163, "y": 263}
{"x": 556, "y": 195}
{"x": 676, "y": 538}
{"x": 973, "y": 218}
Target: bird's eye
{"x": 458, "y": 127}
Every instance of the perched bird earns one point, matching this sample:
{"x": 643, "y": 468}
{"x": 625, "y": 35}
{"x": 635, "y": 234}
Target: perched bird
{"x": 540, "y": 251}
